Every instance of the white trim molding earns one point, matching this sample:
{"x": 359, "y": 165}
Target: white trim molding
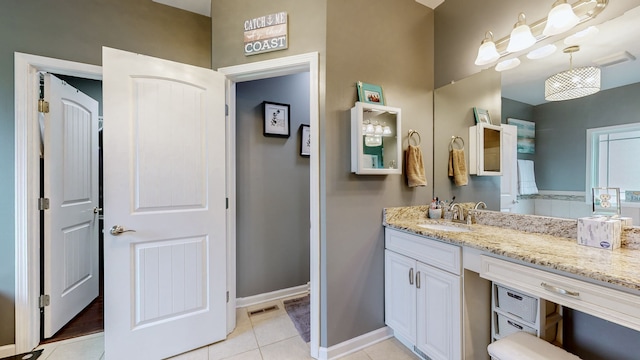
{"x": 356, "y": 344}
{"x": 27, "y": 174}
{"x": 7, "y": 350}
{"x": 273, "y": 295}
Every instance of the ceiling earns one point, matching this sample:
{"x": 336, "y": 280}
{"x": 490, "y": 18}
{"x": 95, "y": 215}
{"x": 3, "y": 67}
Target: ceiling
{"x": 202, "y": 7}
{"x": 526, "y": 82}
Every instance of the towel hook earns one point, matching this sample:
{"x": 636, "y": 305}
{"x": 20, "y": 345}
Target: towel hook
{"x": 418, "y": 141}
{"x": 453, "y": 142}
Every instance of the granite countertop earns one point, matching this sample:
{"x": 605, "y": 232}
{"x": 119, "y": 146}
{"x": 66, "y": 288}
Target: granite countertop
{"x": 619, "y": 267}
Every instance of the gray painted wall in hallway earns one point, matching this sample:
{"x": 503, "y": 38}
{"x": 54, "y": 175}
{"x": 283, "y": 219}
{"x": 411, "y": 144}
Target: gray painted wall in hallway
{"x": 272, "y": 238}
{"x": 76, "y": 30}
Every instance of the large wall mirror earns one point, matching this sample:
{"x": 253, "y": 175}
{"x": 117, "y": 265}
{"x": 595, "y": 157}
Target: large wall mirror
{"x": 560, "y": 154}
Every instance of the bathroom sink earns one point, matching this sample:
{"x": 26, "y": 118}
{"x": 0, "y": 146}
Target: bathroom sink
{"x": 443, "y": 227}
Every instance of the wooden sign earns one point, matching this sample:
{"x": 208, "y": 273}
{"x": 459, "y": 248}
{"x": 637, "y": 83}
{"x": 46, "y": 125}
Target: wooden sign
{"x": 266, "y": 33}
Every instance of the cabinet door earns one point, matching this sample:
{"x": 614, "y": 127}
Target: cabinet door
{"x": 438, "y": 311}
{"x": 400, "y": 294}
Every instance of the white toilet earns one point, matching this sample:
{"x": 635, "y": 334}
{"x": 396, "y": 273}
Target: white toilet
{"x": 524, "y": 346}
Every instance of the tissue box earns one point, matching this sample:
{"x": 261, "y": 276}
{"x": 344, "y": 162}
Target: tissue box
{"x": 600, "y": 232}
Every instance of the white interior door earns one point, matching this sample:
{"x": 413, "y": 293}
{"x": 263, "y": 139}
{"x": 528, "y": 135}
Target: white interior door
{"x": 509, "y": 179}
{"x": 71, "y": 184}
{"x": 165, "y": 283}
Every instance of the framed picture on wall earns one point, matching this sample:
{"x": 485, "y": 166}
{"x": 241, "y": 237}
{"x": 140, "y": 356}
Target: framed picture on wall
{"x": 276, "y": 119}
{"x": 305, "y": 140}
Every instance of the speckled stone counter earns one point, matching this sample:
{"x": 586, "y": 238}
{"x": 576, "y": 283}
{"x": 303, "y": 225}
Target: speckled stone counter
{"x": 546, "y": 242}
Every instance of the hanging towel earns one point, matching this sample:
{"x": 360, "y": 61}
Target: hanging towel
{"x": 457, "y": 167}
{"x": 415, "y": 167}
{"x": 526, "y": 178}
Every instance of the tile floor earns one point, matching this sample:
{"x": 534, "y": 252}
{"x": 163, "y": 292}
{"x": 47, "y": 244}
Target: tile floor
{"x": 265, "y": 336}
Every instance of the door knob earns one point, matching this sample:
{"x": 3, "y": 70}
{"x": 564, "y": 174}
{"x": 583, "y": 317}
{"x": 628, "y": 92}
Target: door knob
{"x": 118, "y": 229}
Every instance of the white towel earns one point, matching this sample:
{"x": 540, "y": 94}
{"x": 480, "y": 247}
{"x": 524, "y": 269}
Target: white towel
{"x": 526, "y": 178}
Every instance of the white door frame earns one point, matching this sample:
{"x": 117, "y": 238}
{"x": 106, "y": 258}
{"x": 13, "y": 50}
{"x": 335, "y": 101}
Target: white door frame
{"x": 261, "y": 70}
{"x": 27, "y": 185}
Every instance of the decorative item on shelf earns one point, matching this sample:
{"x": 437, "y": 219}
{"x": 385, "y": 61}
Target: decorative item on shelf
{"x": 369, "y": 93}
{"x": 305, "y": 140}
{"x": 276, "y": 119}
{"x": 481, "y": 115}
{"x": 573, "y": 83}
{"x": 562, "y": 18}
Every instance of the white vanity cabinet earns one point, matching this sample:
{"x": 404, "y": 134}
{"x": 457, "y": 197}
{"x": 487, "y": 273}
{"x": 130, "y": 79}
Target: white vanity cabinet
{"x": 423, "y": 291}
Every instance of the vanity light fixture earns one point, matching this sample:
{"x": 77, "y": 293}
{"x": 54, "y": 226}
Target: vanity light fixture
{"x": 561, "y": 18}
{"x": 573, "y": 83}
{"x": 487, "y": 52}
{"x": 508, "y": 64}
{"x": 521, "y": 36}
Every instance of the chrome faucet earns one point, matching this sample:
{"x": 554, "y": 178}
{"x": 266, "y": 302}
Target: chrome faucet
{"x": 480, "y": 203}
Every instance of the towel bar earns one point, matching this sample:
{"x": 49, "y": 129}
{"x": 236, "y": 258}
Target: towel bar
{"x": 453, "y": 142}
{"x": 413, "y": 132}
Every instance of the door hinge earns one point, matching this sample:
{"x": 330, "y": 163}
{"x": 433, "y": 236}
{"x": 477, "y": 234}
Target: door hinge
{"x": 43, "y": 106}
{"x": 227, "y": 297}
{"x": 226, "y": 110}
{"x": 44, "y": 300}
{"x": 43, "y": 204}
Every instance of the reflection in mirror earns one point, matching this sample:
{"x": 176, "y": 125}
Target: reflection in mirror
{"x": 560, "y": 157}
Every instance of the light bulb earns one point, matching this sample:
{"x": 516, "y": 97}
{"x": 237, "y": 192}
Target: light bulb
{"x": 560, "y": 19}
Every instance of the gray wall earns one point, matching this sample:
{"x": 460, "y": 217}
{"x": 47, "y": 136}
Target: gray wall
{"x": 272, "y": 184}
{"x": 389, "y": 43}
{"x": 76, "y": 30}
{"x": 453, "y": 116}
{"x": 561, "y": 129}
{"x": 400, "y": 58}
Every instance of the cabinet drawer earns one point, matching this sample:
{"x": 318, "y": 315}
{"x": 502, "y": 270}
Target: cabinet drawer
{"x": 506, "y": 326}
{"x": 428, "y": 251}
{"x": 601, "y": 301}
{"x": 516, "y": 303}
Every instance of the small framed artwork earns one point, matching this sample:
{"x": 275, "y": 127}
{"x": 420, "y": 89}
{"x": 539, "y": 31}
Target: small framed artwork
{"x": 481, "y": 115}
{"x": 305, "y": 140}
{"x": 276, "y": 119}
{"x": 371, "y": 94}
{"x": 526, "y": 135}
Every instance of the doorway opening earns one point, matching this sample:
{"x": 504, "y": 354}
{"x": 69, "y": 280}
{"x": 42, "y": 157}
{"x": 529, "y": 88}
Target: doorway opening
{"x": 27, "y": 230}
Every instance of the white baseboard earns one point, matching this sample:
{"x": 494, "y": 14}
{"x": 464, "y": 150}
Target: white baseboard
{"x": 270, "y": 296}
{"x": 7, "y": 350}
{"x": 356, "y": 344}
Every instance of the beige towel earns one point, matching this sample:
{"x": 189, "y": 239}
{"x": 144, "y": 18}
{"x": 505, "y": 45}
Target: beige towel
{"x": 415, "y": 167}
{"x": 457, "y": 167}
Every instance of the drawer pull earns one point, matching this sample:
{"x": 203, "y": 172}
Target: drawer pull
{"x": 418, "y": 279}
{"x": 411, "y": 276}
{"x": 514, "y": 325}
{"x": 558, "y": 290}
{"x": 515, "y": 296}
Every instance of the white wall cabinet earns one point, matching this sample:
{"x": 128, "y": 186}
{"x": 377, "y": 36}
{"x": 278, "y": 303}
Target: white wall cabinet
{"x": 485, "y": 150}
{"x": 423, "y": 294}
{"x": 376, "y": 147}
